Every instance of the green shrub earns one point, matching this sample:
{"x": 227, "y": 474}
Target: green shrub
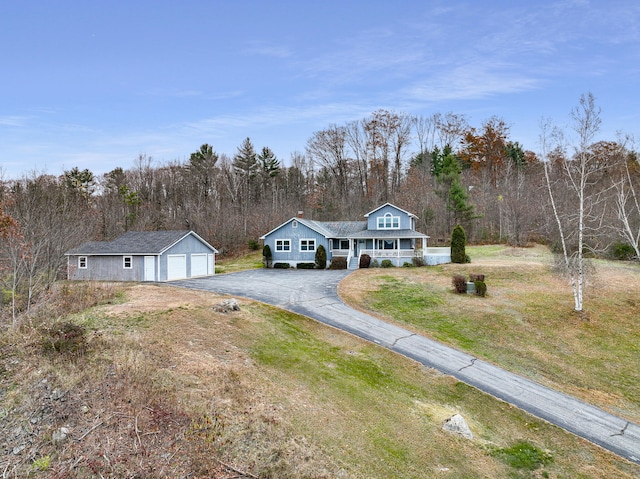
{"x": 305, "y": 265}
{"x": 281, "y": 265}
{"x": 365, "y": 261}
{"x": 339, "y": 262}
{"x": 458, "y": 244}
{"x": 386, "y": 263}
{"x": 266, "y": 255}
{"x": 321, "y": 257}
{"x": 622, "y": 251}
{"x": 375, "y": 264}
{"x": 253, "y": 245}
{"x": 481, "y": 288}
{"x": 459, "y": 283}
{"x": 406, "y": 264}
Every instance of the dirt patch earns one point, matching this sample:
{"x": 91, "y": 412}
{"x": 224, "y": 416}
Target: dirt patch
{"x": 144, "y": 298}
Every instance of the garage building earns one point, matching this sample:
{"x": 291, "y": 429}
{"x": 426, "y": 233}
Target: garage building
{"x": 143, "y": 256}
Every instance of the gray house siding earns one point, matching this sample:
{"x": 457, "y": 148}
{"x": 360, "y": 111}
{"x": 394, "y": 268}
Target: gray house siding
{"x": 406, "y": 221}
{"x": 106, "y": 268}
{"x": 187, "y": 247}
{"x": 189, "y": 255}
{"x": 295, "y": 232}
{"x": 387, "y": 234}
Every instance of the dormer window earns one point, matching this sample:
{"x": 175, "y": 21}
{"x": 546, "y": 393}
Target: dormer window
{"x": 388, "y": 222}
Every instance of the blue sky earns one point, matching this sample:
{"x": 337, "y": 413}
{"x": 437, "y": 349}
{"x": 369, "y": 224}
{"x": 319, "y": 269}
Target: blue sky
{"x": 94, "y": 84}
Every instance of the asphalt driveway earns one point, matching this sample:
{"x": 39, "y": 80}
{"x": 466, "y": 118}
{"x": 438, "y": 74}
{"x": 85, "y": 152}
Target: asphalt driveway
{"x": 314, "y": 294}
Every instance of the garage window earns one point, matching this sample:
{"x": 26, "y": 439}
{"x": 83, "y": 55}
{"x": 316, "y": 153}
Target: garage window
{"x": 82, "y": 262}
{"x": 127, "y": 262}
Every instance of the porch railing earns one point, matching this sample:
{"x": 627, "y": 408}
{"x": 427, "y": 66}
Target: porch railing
{"x": 389, "y": 253}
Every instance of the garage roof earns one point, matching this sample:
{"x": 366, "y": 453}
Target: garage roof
{"x": 136, "y": 243}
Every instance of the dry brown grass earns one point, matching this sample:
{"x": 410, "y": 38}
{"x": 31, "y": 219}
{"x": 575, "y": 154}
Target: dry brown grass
{"x": 170, "y": 388}
{"x": 527, "y": 323}
{"x": 167, "y": 388}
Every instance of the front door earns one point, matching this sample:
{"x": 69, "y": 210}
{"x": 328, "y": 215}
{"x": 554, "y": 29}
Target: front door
{"x": 149, "y": 268}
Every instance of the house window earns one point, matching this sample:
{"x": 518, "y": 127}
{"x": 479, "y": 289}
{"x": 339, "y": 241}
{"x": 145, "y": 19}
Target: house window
{"x": 387, "y": 244}
{"x": 82, "y": 262}
{"x": 344, "y": 244}
{"x": 283, "y": 245}
{"x": 307, "y": 245}
{"x": 388, "y": 222}
{"x": 294, "y": 224}
{"x": 127, "y": 262}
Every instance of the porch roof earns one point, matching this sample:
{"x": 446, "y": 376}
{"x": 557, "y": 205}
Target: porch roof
{"x": 367, "y": 234}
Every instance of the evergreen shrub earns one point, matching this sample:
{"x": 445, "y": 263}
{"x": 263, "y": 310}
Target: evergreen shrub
{"x": 321, "y": 257}
{"x": 622, "y": 251}
{"x": 305, "y": 265}
{"x": 281, "y": 265}
{"x": 266, "y": 255}
{"x": 458, "y": 243}
{"x": 386, "y": 263}
{"x": 481, "y": 288}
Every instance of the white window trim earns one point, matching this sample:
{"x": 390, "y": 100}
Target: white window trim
{"x": 283, "y": 249}
{"x": 83, "y": 260}
{"x": 124, "y": 262}
{"x": 310, "y": 241}
{"x": 382, "y": 222}
{"x": 294, "y": 224}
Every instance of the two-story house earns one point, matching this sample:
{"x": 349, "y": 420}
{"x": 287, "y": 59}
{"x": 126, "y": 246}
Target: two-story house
{"x": 389, "y": 232}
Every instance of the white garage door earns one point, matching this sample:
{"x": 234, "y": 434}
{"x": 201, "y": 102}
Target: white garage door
{"x": 176, "y": 266}
{"x": 198, "y": 265}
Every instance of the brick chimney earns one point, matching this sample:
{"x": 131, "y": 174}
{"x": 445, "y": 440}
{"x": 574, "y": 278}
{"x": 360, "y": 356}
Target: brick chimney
{"x": 300, "y": 214}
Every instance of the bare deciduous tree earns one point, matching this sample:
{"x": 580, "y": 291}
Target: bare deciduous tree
{"x": 577, "y": 178}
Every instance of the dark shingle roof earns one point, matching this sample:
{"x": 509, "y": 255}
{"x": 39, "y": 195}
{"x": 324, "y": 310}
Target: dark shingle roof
{"x": 132, "y": 242}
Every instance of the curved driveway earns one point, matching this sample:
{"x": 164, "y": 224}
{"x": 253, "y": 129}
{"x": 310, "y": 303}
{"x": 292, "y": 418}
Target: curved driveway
{"x": 314, "y": 294}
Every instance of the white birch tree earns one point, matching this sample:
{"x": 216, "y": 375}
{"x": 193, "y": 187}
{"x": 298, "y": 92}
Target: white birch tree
{"x": 578, "y": 176}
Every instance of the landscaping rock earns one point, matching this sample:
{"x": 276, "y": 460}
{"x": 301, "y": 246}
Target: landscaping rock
{"x": 227, "y": 306}
{"x": 457, "y": 425}
{"x": 60, "y": 435}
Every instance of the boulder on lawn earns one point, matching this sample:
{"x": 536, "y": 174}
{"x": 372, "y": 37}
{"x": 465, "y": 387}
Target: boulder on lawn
{"x": 457, "y": 425}
{"x": 227, "y": 306}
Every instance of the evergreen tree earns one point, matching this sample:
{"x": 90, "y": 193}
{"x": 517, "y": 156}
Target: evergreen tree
{"x": 266, "y": 255}
{"x": 448, "y": 170}
{"x": 245, "y": 165}
{"x": 458, "y": 243}
{"x": 321, "y": 257}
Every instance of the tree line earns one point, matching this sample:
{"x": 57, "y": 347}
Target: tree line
{"x": 578, "y": 195}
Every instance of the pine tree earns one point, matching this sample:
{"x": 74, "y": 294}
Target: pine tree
{"x": 458, "y": 242}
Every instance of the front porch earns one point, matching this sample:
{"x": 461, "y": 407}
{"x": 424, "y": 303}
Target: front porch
{"x": 399, "y": 249}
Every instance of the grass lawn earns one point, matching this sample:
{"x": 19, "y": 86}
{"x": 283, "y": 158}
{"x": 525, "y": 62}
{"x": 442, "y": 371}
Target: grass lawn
{"x": 526, "y": 323}
{"x": 164, "y": 386}
{"x": 251, "y": 260}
